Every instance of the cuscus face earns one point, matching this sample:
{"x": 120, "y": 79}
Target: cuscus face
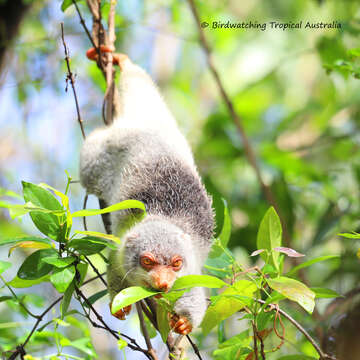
{"x": 156, "y": 253}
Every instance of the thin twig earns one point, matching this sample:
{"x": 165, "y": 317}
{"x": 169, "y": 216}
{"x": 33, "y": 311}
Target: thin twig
{"x": 84, "y": 207}
{"x": 18, "y": 299}
{"x": 20, "y": 348}
{"x": 106, "y": 327}
{"x": 273, "y": 307}
{"x": 70, "y": 77}
{"x": 255, "y": 341}
{"x": 194, "y": 346}
{"x": 82, "y": 21}
{"x": 145, "y": 332}
{"x": 39, "y": 319}
{"x": 110, "y": 74}
{"x": 249, "y": 152}
{"x": 95, "y": 270}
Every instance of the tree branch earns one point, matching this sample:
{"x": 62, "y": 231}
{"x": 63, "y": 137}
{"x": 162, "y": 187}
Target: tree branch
{"x": 249, "y": 152}
{"x": 273, "y": 307}
{"x": 70, "y": 77}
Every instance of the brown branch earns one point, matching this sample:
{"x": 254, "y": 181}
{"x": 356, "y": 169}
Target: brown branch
{"x": 249, "y": 152}
{"x": 96, "y": 270}
{"x": 145, "y": 333}
{"x": 194, "y": 346}
{"x": 275, "y": 307}
{"x": 70, "y": 77}
{"x": 20, "y": 348}
{"x": 110, "y": 73}
{"x": 107, "y": 328}
{"x": 82, "y": 22}
{"x": 84, "y": 207}
{"x": 255, "y": 341}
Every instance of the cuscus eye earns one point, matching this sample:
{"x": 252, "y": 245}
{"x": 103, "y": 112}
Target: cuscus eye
{"x": 147, "y": 261}
{"x": 176, "y": 263}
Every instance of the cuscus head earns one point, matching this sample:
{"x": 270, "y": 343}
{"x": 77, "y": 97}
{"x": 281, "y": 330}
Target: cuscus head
{"x": 156, "y": 253}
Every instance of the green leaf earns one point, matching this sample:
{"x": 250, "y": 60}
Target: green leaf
{"x": 30, "y": 245}
{"x": 224, "y": 237}
{"x": 33, "y": 268}
{"x": 12, "y": 241}
{"x": 269, "y": 237}
{"x": 190, "y": 281}
{"x": 4, "y": 265}
{"x": 16, "y": 282}
{"x": 295, "y": 291}
{"x": 48, "y": 224}
{"x": 61, "y": 279}
{"x": 129, "y": 296}
{"x": 66, "y": 3}
{"x": 353, "y": 235}
{"x": 65, "y": 302}
{"x": 93, "y": 298}
{"x": 237, "y": 347}
{"x": 311, "y": 262}
{"x": 162, "y": 321}
{"x": 16, "y": 210}
{"x": 123, "y": 205}
{"x": 226, "y": 306}
{"x": 82, "y": 344}
{"x": 88, "y": 245}
{"x": 82, "y": 271}
{"x": 59, "y": 262}
{"x": 325, "y": 293}
{"x": 99, "y": 235}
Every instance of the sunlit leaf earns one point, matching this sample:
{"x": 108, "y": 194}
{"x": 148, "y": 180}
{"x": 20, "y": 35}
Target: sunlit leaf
{"x": 190, "y": 281}
{"x": 353, "y": 235}
{"x": 294, "y": 290}
{"x": 100, "y": 235}
{"x": 225, "y": 306}
{"x": 48, "y": 224}
{"x": 123, "y": 205}
{"x": 59, "y": 262}
{"x": 162, "y": 321}
{"x": 269, "y": 237}
{"x": 129, "y": 296}
{"x": 30, "y": 245}
{"x": 64, "y": 201}
{"x": 67, "y": 3}
{"x": 16, "y": 282}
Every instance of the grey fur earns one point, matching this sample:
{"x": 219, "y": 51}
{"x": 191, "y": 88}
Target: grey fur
{"x": 149, "y": 160}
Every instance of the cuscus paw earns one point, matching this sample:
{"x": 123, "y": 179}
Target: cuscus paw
{"x": 121, "y": 314}
{"x": 118, "y": 58}
{"x": 180, "y": 324}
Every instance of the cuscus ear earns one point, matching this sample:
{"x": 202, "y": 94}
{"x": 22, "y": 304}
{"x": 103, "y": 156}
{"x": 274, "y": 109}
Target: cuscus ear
{"x": 131, "y": 237}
